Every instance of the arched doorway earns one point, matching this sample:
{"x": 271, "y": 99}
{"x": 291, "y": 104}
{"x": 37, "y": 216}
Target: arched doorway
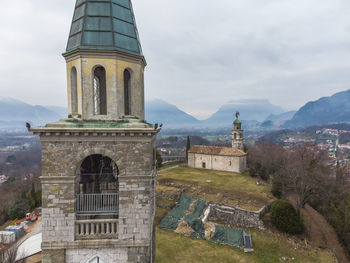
{"x": 98, "y": 186}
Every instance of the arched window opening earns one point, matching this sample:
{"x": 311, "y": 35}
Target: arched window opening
{"x": 99, "y": 91}
{"x": 74, "y": 91}
{"x": 95, "y": 260}
{"x": 98, "y": 186}
{"x": 127, "y": 92}
{"x": 235, "y": 136}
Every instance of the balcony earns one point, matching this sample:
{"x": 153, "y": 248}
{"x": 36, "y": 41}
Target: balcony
{"x": 97, "y": 204}
{"x": 96, "y": 229}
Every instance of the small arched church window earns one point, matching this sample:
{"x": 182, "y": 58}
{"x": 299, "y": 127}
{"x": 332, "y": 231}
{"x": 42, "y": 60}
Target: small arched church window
{"x": 99, "y": 91}
{"x": 74, "y": 91}
{"x": 127, "y": 92}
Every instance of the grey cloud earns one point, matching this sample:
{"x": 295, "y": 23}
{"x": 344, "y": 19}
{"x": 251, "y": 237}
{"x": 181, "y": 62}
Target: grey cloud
{"x": 200, "y": 53}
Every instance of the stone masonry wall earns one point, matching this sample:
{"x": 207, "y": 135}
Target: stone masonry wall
{"x": 105, "y": 255}
{"x": 236, "y": 216}
{"x": 61, "y": 159}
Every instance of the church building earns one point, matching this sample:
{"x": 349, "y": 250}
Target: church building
{"x": 98, "y": 165}
{"x": 230, "y": 159}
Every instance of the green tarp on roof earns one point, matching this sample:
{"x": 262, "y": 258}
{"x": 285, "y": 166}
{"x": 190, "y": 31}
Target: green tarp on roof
{"x": 104, "y": 25}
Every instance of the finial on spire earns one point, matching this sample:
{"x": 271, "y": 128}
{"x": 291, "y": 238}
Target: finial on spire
{"x": 237, "y": 114}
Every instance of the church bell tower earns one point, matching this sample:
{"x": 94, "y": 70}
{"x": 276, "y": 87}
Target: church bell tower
{"x": 98, "y": 165}
{"x": 237, "y": 133}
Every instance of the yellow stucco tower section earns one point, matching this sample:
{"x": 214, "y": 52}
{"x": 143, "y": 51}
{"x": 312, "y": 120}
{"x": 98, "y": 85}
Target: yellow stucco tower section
{"x": 115, "y": 65}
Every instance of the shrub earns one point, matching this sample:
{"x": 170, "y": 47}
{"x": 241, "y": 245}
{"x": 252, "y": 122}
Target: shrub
{"x": 276, "y": 186}
{"x": 259, "y": 171}
{"x": 284, "y": 217}
{"x": 18, "y": 209}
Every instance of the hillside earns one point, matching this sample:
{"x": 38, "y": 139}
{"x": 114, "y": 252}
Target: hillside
{"x": 286, "y": 116}
{"x": 270, "y": 246}
{"x": 326, "y": 110}
{"x": 159, "y": 111}
{"x": 251, "y": 110}
{"x": 15, "y": 113}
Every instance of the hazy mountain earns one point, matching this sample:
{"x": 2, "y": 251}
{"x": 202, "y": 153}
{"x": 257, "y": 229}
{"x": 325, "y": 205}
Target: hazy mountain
{"x": 14, "y": 113}
{"x": 286, "y": 116}
{"x": 250, "y": 110}
{"x": 159, "y": 111}
{"x": 62, "y": 111}
{"x": 327, "y": 110}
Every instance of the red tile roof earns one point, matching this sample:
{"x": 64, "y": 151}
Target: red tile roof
{"x": 216, "y": 150}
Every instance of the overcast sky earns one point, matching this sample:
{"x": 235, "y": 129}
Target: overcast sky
{"x": 200, "y": 53}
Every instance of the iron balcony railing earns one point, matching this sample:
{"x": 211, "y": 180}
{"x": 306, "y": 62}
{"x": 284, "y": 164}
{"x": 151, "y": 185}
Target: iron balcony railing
{"x": 97, "y": 204}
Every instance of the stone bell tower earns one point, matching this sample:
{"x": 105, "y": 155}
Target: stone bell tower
{"x": 98, "y": 165}
{"x": 237, "y": 133}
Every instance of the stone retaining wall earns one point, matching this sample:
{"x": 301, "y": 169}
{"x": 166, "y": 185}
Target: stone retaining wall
{"x": 236, "y": 216}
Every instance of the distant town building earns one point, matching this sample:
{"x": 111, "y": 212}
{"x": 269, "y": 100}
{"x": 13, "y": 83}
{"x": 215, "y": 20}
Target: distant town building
{"x": 230, "y": 159}
{"x": 3, "y": 178}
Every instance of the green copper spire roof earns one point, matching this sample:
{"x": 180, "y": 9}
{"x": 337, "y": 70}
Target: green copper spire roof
{"x": 104, "y": 25}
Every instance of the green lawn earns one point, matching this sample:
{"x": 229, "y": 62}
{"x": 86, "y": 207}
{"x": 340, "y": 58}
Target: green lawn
{"x": 232, "y": 189}
{"x": 220, "y": 187}
{"x": 269, "y": 248}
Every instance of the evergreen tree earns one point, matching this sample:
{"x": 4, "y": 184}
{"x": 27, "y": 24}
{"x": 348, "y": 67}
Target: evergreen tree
{"x": 188, "y": 147}
{"x": 18, "y": 209}
{"x": 159, "y": 160}
{"x": 23, "y": 194}
{"x": 33, "y": 195}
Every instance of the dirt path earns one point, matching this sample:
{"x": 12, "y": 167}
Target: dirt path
{"x": 321, "y": 234}
{"x": 167, "y": 169}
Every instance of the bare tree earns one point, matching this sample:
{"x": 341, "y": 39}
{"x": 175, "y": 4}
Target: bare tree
{"x": 303, "y": 174}
{"x": 10, "y": 254}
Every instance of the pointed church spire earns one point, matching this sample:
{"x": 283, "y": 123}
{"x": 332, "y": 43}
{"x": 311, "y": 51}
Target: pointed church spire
{"x": 104, "y": 25}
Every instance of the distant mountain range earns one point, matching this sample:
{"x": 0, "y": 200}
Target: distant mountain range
{"x": 281, "y": 118}
{"x": 14, "y": 113}
{"x": 251, "y": 110}
{"x": 159, "y": 111}
{"x": 326, "y": 110}
{"x": 254, "y": 113}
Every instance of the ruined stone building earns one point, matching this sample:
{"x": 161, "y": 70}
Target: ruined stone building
{"x": 230, "y": 159}
{"x": 98, "y": 165}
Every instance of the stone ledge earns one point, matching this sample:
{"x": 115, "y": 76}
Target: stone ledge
{"x": 95, "y": 244}
{"x": 72, "y": 179}
{"x": 95, "y": 132}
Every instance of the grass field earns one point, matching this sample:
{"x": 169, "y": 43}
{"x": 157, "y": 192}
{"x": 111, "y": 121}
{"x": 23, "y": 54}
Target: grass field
{"x": 232, "y": 189}
{"x": 220, "y": 187}
{"x": 269, "y": 248}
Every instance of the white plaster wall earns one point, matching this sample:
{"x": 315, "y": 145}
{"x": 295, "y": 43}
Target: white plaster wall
{"x": 202, "y": 158}
{"x": 191, "y": 160}
{"x": 217, "y": 162}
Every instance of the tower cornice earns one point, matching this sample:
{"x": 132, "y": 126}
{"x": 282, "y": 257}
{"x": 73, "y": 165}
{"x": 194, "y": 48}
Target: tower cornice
{"x": 114, "y": 54}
